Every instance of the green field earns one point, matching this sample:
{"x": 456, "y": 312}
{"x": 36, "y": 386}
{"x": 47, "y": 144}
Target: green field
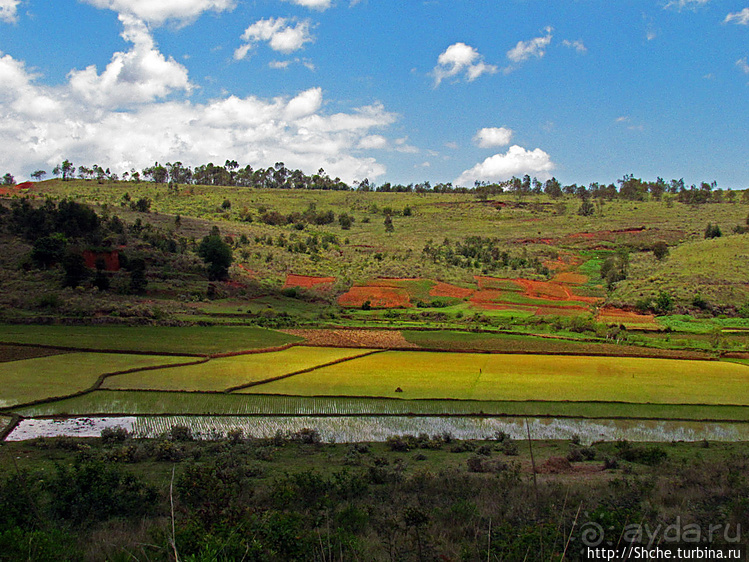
{"x": 478, "y": 341}
{"x": 60, "y": 375}
{"x": 228, "y": 372}
{"x": 188, "y": 403}
{"x": 524, "y": 377}
{"x": 155, "y": 339}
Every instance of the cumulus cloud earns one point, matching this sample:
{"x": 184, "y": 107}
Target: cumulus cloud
{"x": 42, "y": 125}
{"x": 319, "y": 5}
{"x": 535, "y": 48}
{"x": 157, "y": 12}
{"x": 743, "y": 65}
{"x": 459, "y": 58}
{"x": 8, "y": 10}
{"x": 741, "y": 18}
{"x": 278, "y": 32}
{"x": 680, "y": 5}
{"x": 517, "y": 161}
{"x": 578, "y": 45}
{"x": 373, "y": 142}
{"x": 493, "y": 136}
{"x": 136, "y": 76}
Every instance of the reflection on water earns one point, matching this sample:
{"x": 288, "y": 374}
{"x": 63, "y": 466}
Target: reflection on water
{"x": 378, "y": 428}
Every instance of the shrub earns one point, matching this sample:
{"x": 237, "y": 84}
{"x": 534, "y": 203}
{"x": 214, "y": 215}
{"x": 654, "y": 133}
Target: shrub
{"x": 712, "y": 231}
{"x": 660, "y": 250}
{"x": 111, "y": 435}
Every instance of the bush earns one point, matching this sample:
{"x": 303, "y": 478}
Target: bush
{"x": 712, "y": 231}
{"x": 111, "y": 435}
{"x": 660, "y": 250}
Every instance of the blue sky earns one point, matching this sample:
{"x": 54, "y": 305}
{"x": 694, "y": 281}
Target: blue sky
{"x": 439, "y": 90}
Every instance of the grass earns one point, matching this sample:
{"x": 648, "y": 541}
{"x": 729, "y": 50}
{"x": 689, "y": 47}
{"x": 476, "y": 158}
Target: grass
{"x": 524, "y": 377}
{"x": 61, "y": 375}
{"x": 482, "y": 341}
{"x": 17, "y": 352}
{"x": 193, "y": 339}
{"x": 227, "y": 372}
{"x": 123, "y": 402}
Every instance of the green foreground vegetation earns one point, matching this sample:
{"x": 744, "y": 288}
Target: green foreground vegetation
{"x": 413, "y": 498}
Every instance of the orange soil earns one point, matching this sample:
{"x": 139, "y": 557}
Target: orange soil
{"x": 306, "y": 281}
{"x": 378, "y": 297}
{"x": 447, "y": 290}
{"x": 569, "y": 278}
{"x": 610, "y": 314}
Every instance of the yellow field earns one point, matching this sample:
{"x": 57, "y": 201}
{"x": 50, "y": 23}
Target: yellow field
{"x": 227, "y": 372}
{"x": 524, "y": 377}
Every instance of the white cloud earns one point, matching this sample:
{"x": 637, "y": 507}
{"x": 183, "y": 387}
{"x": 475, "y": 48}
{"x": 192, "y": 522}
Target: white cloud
{"x": 743, "y": 65}
{"x": 680, "y": 5}
{"x": 578, "y": 45}
{"x": 458, "y": 58}
{"x": 137, "y": 76}
{"x": 535, "y": 48}
{"x": 493, "y": 136}
{"x": 40, "y": 126}
{"x": 278, "y": 32}
{"x": 373, "y": 142}
{"x": 741, "y": 18}
{"x": 8, "y": 10}
{"x": 401, "y": 145}
{"x": 158, "y": 11}
{"x": 285, "y": 64}
{"x": 516, "y": 161}
{"x": 319, "y": 5}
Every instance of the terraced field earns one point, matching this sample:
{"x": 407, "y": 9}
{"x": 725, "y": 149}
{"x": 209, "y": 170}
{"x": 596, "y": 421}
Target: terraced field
{"x": 227, "y": 372}
{"x": 406, "y": 374}
{"x": 61, "y": 375}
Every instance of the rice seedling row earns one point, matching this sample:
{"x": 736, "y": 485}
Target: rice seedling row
{"x": 154, "y": 403}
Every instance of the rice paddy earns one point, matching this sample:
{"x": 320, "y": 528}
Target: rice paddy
{"x": 227, "y": 372}
{"x": 375, "y": 428}
{"x": 61, "y": 375}
{"x": 144, "y": 403}
{"x": 416, "y": 375}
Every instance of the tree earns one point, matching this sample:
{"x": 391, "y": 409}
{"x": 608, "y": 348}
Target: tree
{"x": 8, "y": 179}
{"x": 75, "y": 269}
{"x": 68, "y": 169}
{"x": 38, "y": 175}
{"x": 389, "y": 224}
{"x": 138, "y": 281}
{"x": 48, "y": 250}
{"x": 345, "y": 221}
{"x": 217, "y": 255}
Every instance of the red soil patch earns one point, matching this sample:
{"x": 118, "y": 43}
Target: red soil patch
{"x": 378, "y": 297}
{"x": 613, "y": 315}
{"x": 111, "y": 259}
{"x": 447, "y": 290}
{"x": 546, "y": 290}
{"x": 306, "y": 281}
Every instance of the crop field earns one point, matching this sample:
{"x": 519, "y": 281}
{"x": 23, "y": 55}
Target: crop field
{"x": 60, "y": 375}
{"x": 524, "y": 377}
{"x": 18, "y": 352}
{"x": 227, "y": 372}
{"x": 154, "y": 339}
{"x": 147, "y": 403}
{"x": 472, "y": 341}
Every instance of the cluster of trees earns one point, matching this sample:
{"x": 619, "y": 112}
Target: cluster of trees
{"x": 279, "y": 176}
{"x": 488, "y": 254}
